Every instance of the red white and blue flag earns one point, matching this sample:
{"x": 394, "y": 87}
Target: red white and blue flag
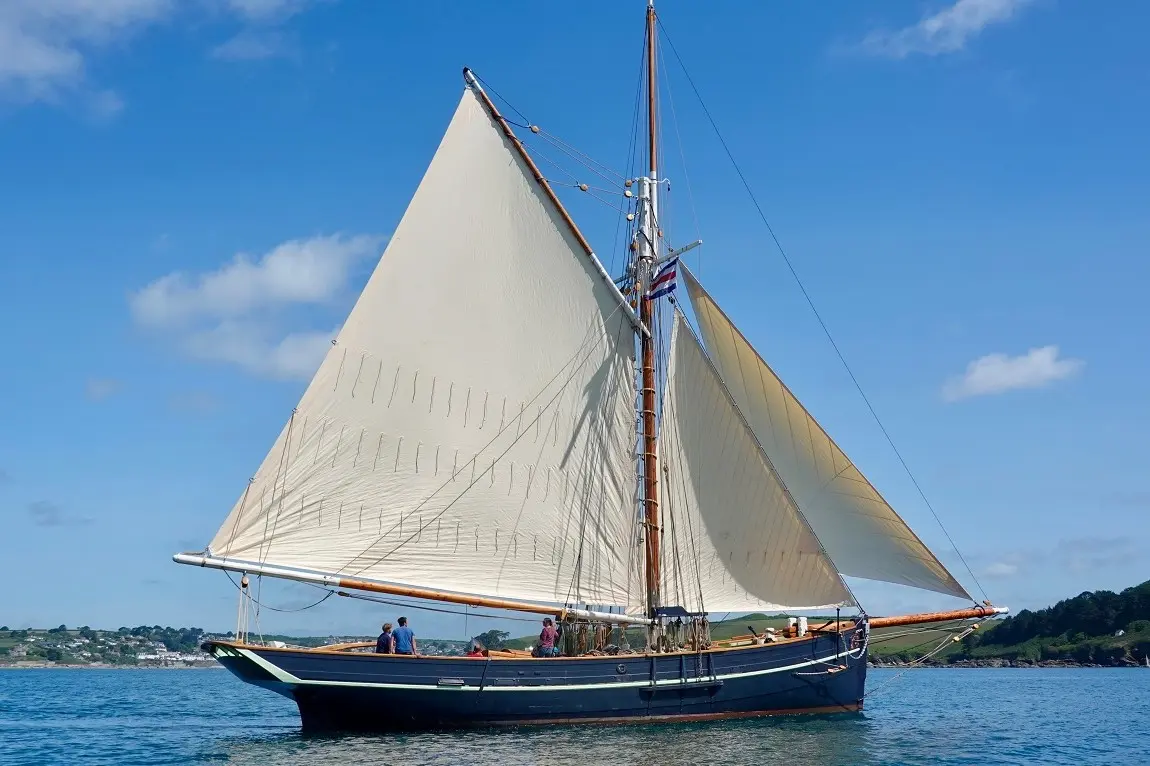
{"x": 664, "y": 280}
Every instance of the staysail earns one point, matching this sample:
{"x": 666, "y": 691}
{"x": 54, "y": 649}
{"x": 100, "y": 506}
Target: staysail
{"x": 472, "y": 427}
{"x": 859, "y": 530}
{"x": 738, "y": 540}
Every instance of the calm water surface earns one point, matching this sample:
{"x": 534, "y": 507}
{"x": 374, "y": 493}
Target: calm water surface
{"x": 1051, "y": 716}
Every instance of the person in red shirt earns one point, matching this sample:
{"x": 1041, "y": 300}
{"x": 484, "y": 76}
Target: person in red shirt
{"x": 474, "y": 651}
{"x": 547, "y": 640}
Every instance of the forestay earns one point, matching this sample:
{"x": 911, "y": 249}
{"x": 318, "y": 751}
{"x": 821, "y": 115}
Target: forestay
{"x": 472, "y": 427}
{"x": 859, "y": 530}
{"x": 736, "y": 538}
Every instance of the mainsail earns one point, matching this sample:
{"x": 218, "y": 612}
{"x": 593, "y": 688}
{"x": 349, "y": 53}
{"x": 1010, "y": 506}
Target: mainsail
{"x": 472, "y": 427}
{"x": 859, "y": 530}
{"x": 735, "y": 529}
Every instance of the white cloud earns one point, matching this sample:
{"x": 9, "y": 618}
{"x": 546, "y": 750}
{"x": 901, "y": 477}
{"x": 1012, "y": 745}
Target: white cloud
{"x": 946, "y": 31}
{"x": 1000, "y": 569}
{"x": 996, "y": 373}
{"x": 45, "y": 45}
{"x": 266, "y": 10}
{"x": 241, "y": 313}
{"x": 259, "y": 351}
{"x": 43, "y": 42}
{"x": 252, "y": 46}
{"x": 298, "y": 271}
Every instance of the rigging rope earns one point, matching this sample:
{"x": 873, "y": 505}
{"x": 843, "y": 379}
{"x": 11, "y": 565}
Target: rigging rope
{"x": 683, "y": 163}
{"x": 329, "y": 594}
{"x": 578, "y": 156}
{"x": 919, "y": 661}
{"x": 629, "y": 166}
{"x": 815, "y": 311}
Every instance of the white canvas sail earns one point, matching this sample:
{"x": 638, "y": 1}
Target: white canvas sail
{"x": 472, "y": 427}
{"x": 859, "y": 530}
{"x": 737, "y": 539}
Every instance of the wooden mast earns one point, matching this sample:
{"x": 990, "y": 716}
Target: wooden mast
{"x": 646, "y": 254}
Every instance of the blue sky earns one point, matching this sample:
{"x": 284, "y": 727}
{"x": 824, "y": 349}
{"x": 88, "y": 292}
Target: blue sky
{"x": 192, "y": 193}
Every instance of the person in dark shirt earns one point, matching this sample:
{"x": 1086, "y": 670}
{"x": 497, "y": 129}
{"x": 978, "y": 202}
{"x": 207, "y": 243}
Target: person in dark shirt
{"x": 405, "y": 639}
{"x": 385, "y": 644}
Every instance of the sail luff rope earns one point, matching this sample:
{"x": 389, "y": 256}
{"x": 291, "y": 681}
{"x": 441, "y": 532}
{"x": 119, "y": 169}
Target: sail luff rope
{"x": 818, "y": 316}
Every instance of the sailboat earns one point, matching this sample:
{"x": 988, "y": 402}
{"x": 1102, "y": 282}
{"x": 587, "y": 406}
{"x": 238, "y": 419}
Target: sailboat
{"x": 498, "y": 424}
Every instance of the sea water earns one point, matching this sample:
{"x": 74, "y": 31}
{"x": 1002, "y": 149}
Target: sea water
{"x": 925, "y": 716}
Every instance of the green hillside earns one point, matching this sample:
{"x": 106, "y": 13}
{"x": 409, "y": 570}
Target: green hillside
{"x": 1100, "y": 627}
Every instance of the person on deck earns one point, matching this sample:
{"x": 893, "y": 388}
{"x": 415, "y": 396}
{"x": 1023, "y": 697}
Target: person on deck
{"x": 547, "y": 639}
{"x": 405, "y": 639}
{"x": 385, "y": 644}
{"x": 474, "y": 651}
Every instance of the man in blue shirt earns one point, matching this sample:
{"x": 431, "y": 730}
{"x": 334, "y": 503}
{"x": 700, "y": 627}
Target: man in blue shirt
{"x": 404, "y": 639}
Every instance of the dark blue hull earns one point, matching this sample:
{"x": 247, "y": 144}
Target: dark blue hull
{"x": 353, "y": 691}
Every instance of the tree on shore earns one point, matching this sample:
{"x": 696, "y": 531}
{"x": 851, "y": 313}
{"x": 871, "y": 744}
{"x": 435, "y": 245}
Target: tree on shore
{"x": 492, "y": 639}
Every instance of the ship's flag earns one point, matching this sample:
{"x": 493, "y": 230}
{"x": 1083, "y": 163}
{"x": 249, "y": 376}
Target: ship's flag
{"x": 664, "y": 279}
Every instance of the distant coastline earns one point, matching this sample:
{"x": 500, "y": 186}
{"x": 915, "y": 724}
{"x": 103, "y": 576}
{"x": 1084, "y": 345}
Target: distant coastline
{"x": 995, "y": 663}
{"x": 1099, "y": 629}
{"x": 146, "y": 646}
